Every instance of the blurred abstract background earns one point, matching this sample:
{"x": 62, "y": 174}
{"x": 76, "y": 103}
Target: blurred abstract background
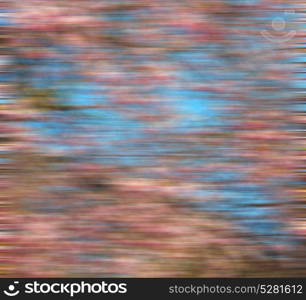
{"x": 149, "y": 138}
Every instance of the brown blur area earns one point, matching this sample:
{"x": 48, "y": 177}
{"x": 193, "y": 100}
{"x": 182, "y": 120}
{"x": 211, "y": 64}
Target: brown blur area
{"x": 152, "y": 138}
